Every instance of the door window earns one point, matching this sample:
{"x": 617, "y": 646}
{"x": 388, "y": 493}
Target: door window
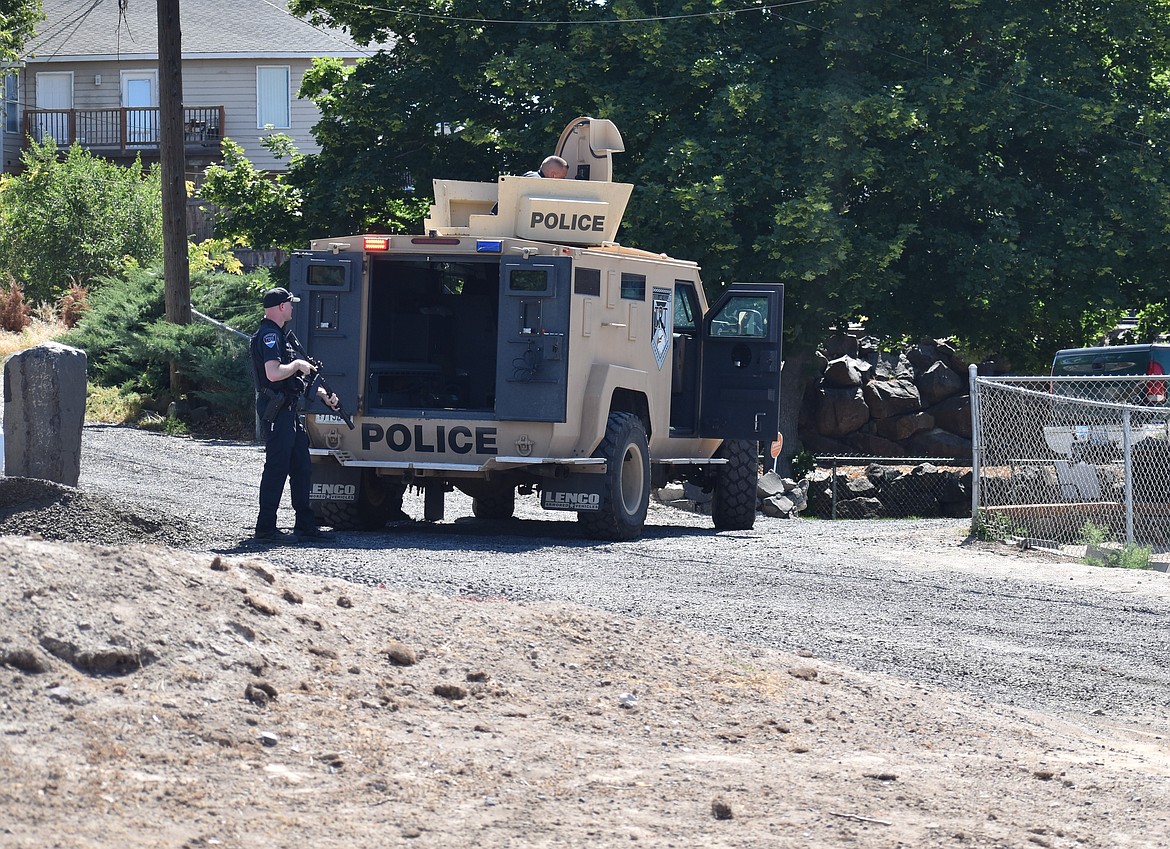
{"x": 745, "y": 315}
{"x": 140, "y": 98}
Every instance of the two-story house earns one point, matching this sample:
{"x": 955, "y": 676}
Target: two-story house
{"x": 91, "y": 75}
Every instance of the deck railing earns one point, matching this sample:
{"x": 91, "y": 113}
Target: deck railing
{"x": 126, "y": 129}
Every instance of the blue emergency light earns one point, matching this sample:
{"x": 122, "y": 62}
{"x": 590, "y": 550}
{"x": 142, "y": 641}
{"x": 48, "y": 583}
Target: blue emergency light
{"x": 487, "y": 246}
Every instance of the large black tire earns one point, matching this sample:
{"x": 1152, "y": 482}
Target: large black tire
{"x": 627, "y": 482}
{"x": 495, "y": 505}
{"x": 379, "y": 500}
{"x": 733, "y": 505}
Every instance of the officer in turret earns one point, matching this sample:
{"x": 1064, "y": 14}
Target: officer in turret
{"x": 282, "y": 376}
{"x": 552, "y": 167}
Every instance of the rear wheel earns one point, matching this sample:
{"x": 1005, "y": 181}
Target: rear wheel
{"x": 733, "y": 506}
{"x": 494, "y": 505}
{"x": 626, "y": 494}
{"x": 378, "y": 501}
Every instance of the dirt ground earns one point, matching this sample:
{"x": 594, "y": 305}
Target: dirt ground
{"x": 151, "y": 697}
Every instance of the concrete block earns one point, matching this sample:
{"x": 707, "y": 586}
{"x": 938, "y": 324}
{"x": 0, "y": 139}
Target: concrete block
{"x": 44, "y": 410}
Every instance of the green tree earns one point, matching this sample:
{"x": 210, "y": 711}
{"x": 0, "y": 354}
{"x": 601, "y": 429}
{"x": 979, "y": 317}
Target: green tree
{"x": 75, "y": 218}
{"x": 18, "y": 19}
{"x": 984, "y": 168}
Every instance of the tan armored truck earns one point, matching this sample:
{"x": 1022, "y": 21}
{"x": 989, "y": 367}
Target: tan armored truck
{"x": 516, "y": 347}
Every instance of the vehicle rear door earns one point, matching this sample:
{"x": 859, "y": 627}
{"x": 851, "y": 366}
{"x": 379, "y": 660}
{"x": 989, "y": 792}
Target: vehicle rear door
{"x": 328, "y": 318}
{"x": 532, "y": 354}
{"x": 740, "y": 372}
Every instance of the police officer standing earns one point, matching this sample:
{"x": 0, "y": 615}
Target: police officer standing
{"x": 281, "y": 380}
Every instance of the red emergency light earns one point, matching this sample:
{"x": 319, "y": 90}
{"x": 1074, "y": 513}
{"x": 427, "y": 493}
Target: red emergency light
{"x": 376, "y": 243}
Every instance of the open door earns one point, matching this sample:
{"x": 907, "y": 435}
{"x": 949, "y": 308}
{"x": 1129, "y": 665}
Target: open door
{"x": 328, "y": 285}
{"x": 741, "y": 350}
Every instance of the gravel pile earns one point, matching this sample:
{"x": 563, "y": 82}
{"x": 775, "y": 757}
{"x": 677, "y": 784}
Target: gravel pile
{"x": 55, "y": 512}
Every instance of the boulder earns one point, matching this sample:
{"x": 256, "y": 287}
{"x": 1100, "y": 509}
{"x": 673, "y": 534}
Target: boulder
{"x": 840, "y": 345}
{"x": 859, "y": 508}
{"x": 871, "y": 445}
{"x": 939, "y": 382}
{"x": 844, "y": 372}
{"x": 861, "y": 487}
{"x": 841, "y": 412}
{"x": 44, "y": 410}
{"x": 899, "y": 428}
{"x": 942, "y": 444}
{"x": 893, "y": 367}
{"x": 770, "y": 484}
{"x": 887, "y": 398}
{"x": 780, "y": 506}
{"x": 953, "y": 414}
{"x": 824, "y": 447}
{"x": 910, "y": 495}
{"x": 923, "y": 355}
{"x": 880, "y": 474}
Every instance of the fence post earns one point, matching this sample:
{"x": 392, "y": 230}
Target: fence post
{"x": 833, "y": 486}
{"x": 1127, "y": 453}
{"x": 976, "y": 439}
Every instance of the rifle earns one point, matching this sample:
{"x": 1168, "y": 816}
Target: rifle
{"x": 317, "y": 378}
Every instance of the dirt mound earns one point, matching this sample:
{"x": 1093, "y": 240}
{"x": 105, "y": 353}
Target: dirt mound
{"x": 30, "y": 507}
{"x": 158, "y": 698}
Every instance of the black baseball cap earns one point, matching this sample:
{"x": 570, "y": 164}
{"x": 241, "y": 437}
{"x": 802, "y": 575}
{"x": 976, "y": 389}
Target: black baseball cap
{"x": 276, "y": 297}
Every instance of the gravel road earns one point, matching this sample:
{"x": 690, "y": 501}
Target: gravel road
{"x": 913, "y": 598}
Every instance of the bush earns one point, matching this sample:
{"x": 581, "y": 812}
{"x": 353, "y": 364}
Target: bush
{"x": 73, "y": 305}
{"x": 69, "y": 220}
{"x": 14, "y": 311}
{"x": 130, "y": 345}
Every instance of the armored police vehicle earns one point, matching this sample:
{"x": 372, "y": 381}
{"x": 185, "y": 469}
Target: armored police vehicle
{"x": 515, "y": 346}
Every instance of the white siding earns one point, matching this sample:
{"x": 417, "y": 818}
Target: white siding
{"x": 230, "y": 83}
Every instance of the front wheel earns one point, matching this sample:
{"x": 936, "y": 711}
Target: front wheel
{"x": 626, "y": 496}
{"x": 733, "y": 505}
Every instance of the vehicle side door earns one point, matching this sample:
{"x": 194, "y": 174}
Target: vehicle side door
{"x": 740, "y": 371}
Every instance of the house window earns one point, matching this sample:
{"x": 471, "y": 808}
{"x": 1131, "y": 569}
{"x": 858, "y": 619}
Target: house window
{"x": 272, "y": 96}
{"x": 11, "y": 104}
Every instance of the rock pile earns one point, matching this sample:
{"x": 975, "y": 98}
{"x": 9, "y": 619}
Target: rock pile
{"x": 872, "y": 403}
{"x": 879, "y": 492}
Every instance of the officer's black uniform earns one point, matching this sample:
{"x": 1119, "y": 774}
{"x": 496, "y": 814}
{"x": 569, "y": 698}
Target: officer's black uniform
{"x": 286, "y": 445}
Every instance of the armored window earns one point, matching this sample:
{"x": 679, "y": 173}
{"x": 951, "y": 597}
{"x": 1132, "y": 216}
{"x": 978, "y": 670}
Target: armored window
{"x": 686, "y": 311}
{"x": 743, "y": 315}
{"x": 587, "y": 281}
{"x": 634, "y": 287}
{"x": 533, "y": 280}
{"x": 272, "y": 96}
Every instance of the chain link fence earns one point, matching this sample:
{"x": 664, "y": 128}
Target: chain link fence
{"x": 856, "y": 487}
{"x": 1072, "y": 460}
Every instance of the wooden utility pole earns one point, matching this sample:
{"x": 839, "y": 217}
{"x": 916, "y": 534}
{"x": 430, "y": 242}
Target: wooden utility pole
{"x": 172, "y": 166}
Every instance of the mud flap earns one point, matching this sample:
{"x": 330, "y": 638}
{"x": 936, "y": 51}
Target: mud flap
{"x": 334, "y": 482}
{"x": 578, "y": 492}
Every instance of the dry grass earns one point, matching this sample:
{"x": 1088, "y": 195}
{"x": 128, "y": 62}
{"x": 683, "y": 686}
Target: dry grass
{"x": 35, "y": 334}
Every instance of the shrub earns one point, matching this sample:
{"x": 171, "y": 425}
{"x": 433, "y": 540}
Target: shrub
{"x": 73, "y": 305}
{"x": 14, "y": 309}
{"x": 130, "y": 345}
{"x": 73, "y": 219}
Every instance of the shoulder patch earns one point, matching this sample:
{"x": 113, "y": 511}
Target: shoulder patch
{"x": 270, "y": 340}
